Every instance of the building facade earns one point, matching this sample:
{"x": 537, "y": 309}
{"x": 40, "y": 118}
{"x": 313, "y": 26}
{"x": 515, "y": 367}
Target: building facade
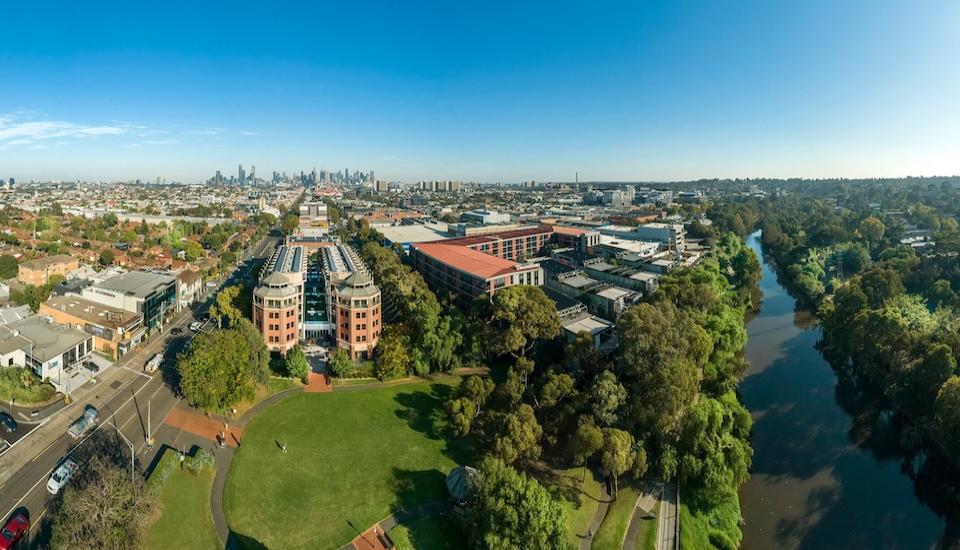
{"x": 38, "y": 272}
{"x": 358, "y": 315}
{"x": 276, "y": 312}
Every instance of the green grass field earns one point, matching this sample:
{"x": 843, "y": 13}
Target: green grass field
{"x": 610, "y": 534}
{"x": 185, "y": 521}
{"x": 580, "y": 498}
{"x": 351, "y": 457}
{"x": 437, "y": 533}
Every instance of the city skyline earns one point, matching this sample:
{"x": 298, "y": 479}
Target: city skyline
{"x": 499, "y": 93}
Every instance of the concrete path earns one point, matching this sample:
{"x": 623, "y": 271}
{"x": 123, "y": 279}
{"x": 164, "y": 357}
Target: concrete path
{"x": 669, "y": 522}
{"x": 586, "y": 539}
{"x": 643, "y": 509}
{"x": 377, "y": 536}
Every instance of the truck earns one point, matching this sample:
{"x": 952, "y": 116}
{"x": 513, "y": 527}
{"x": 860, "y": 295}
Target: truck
{"x": 60, "y": 476}
{"x": 153, "y": 364}
{"x": 85, "y": 423}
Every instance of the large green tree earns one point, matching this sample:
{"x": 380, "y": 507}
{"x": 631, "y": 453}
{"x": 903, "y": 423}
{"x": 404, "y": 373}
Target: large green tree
{"x": 8, "y": 267}
{"x": 511, "y": 510}
{"x": 103, "y": 508}
{"x": 519, "y": 317}
{"x": 223, "y": 368}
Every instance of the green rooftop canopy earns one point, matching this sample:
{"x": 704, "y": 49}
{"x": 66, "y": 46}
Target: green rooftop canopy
{"x": 460, "y": 483}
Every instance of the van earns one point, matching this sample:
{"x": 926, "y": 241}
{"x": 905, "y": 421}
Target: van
{"x": 153, "y": 364}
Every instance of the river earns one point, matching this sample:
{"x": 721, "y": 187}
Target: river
{"x": 827, "y": 471}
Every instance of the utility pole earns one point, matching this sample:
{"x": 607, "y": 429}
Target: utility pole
{"x": 128, "y": 442}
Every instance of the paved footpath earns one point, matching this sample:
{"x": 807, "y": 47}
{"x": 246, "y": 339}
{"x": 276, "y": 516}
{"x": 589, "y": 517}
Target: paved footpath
{"x": 586, "y": 539}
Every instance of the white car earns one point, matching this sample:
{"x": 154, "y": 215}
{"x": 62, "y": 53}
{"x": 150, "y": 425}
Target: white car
{"x": 60, "y": 476}
{"x": 196, "y": 326}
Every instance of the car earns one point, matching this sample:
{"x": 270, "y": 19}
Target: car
{"x": 8, "y": 422}
{"x": 59, "y": 478}
{"x": 176, "y": 331}
{"x": 14, "y": 529}
{"x": 154, "y": 363}
{"x": 91, "y": 366}
{"x": 196, "y": 326}
{"x": 211, "y": 284}
{"x": 85, "y": 423}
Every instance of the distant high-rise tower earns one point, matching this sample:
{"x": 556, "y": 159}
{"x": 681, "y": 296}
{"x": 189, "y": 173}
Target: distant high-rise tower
{"x": 253, "y": 174}
{"x": 241, "y": 176}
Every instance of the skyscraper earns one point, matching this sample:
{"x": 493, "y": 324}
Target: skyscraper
{"x": 241, "y": 176}
{"x": 253, "y": 174}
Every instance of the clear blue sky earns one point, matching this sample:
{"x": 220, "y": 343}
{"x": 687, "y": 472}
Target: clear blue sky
{"x": 641, "y": 90}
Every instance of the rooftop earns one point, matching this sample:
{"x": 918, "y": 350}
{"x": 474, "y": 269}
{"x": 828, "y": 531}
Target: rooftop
{"x": 137, "y": 283}
{"x": 48, "y": 261}
{"x": 468, "y": 260}
{"x": 91, "y": 312}
{"x": 49, "y": 339}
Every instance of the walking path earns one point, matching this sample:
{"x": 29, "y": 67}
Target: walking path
{"x": 647, "y": 501}
{"x": 586, "y": 539}
{"x": 318, "y": 383}
{"x": 375, "y": 538}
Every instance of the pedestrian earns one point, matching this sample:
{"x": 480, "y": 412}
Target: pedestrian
{"x": 283, "y": 447}
{"x": 590, "y": 533}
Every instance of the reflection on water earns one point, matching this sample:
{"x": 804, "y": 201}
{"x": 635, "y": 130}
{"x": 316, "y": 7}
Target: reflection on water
{"x": 827, "y": 470}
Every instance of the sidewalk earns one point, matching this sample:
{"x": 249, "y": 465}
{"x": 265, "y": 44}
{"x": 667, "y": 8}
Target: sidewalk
{"x": 601, "y": 512}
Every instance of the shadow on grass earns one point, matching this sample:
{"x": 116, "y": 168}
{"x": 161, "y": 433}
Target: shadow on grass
{"x": 564, "y": 485}
{"x": 414, "y": 487}
{"x": 236, "y": 541}
{"x": 423, "y": 412}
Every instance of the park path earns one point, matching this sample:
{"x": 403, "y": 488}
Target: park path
{"x": 647, "y": 501}
{"x": 586, "y": 539}
{"x": 376, "y": 537}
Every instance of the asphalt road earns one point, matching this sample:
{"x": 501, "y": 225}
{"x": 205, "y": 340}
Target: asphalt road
{"x": 134, "y": 404}
{"x": 668, "y": 518}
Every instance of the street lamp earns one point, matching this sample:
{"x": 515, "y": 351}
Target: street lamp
{"x": 132, "y": 452}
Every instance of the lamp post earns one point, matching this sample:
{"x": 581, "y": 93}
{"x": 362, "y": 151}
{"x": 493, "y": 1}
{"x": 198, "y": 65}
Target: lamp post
{"x": 128, "y": 442}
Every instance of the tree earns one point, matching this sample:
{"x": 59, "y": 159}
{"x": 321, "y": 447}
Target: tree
{"x": 616, "y": 455}
{"x": 340, "y": 363}
{"x": 716, "y": 450}
{"x": 871, "y": 229}
{"x": 511, "y": 510}
{"x": 290, "y": 223}
{"x": 519, "y": 316}
{"x": 947, "y": 415}
{"x": 109, "y": 219}
{"x": 107, "y": 256}
{"x": 225, "y": 306}
{"x": 585, "y": 442}
{"x": 103, "y": 508}
{"x": 918, "y": 390}
{"x": 518, "y": 437}
{"x": 607, "y": 396}
{"x": 477, "y": 389}
{"x": 660, "y": 348}
{"x": 8, "y": 267}
{"x": 461, "y": 413}
{"x": 223, "y": 368}
{"x": 393, "y": 355}
{"x": 295, "y": 364}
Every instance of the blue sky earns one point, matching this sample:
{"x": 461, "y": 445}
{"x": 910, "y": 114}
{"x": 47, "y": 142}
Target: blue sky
{"x": 484, "y": 91}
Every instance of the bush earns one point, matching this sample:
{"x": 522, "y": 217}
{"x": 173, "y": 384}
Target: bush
{"x": 340, "y": 363}
{"x": 201, "y": 460}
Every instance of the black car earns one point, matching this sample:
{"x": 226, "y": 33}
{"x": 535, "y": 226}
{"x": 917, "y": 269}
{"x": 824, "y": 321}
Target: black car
{"x": 91, "y": 366}
{"x": 8, "y": 422}
{"x": 176, "y": 331}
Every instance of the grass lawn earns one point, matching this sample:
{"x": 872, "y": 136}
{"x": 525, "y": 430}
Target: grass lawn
{"x": 580, "y": 499}
{"x": 437, "y": 533}
{"x": 647, "y": 535}
{"x": 611, "y": 532}
{"x": 274, "y": 384}
{"x": 352, "y": 457}
{"x": 185, "y": 522}
{"x": 710, "y": 528}
{"x": 11, "y": 387}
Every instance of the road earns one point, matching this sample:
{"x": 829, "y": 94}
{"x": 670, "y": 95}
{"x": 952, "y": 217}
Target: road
{"x": 131, "y": 403}
{"x": 667, "y": 525}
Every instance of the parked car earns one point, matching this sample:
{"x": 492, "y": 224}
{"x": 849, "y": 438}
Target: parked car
{"x": 196, "y": 326}
{"x": 176, "y": 331}
{"x": 14, "y": 529}
{"x": 8, "y": 422}
{"x": 153, "y": 364}
{"x": 83, "y": 424}
{"x": 91, "y": 366}
{"x": 60, "y": 476}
